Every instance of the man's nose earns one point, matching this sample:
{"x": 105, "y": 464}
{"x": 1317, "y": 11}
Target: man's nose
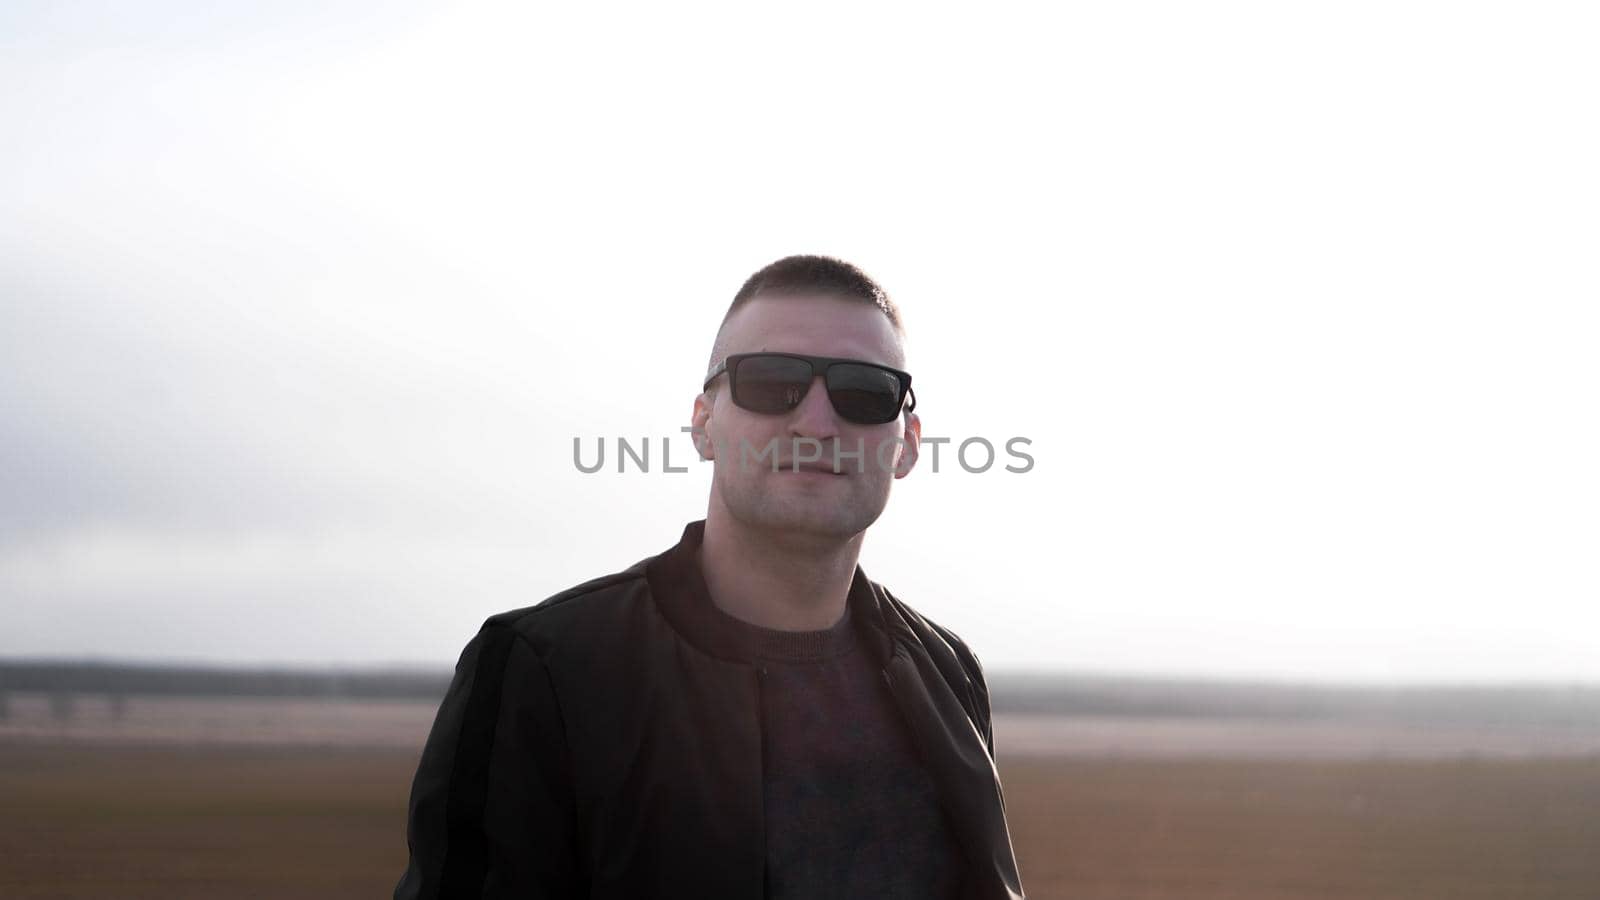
{"x": 814, "y": 417}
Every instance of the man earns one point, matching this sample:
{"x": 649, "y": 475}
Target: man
{"x": 745, "y": 715}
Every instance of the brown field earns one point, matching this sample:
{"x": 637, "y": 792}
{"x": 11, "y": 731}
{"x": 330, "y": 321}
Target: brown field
{"x": 1212, "y": 829}
{"x": 91, "y": 819}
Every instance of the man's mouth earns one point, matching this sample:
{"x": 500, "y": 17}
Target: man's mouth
{"x": 817, "y": 468}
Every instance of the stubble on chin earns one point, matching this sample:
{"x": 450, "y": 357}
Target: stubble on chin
{"x": 772, "y": 507}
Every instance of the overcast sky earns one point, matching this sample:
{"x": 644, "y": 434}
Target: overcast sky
{"x": 302, "y": 307}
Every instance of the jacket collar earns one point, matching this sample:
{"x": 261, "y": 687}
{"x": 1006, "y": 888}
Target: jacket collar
{"x": 680, "y": 592}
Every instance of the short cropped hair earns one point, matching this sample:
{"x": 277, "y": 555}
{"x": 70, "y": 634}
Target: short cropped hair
{"x": 815, "y": 275}
{"x": 809, "y": 275}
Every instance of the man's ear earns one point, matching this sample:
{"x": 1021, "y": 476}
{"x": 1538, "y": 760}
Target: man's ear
{"x": 697, "y": 423}
{"x": 913, "y": 446}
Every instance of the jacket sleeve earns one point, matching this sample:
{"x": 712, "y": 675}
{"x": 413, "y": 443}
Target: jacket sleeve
{"x": 980, "y": 687}
{"x": 492, "y": 812}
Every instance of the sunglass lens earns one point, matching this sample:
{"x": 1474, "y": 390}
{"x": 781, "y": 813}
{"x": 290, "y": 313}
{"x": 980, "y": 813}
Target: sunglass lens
{"x": 866, "y": 395}
{"x": 771, "y": 384}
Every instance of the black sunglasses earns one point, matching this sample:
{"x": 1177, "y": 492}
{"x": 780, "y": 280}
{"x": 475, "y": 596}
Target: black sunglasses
{"x": 771, "y": 383}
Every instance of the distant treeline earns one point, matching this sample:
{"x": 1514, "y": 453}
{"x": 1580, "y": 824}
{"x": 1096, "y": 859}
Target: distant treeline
{"x": 1511, "y": 705}
{"x": 130, "y": 679}
{"x": 1545, "y": 706}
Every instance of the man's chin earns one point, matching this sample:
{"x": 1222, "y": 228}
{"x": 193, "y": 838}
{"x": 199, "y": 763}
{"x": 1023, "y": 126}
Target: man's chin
{"x": 812, "y": 518}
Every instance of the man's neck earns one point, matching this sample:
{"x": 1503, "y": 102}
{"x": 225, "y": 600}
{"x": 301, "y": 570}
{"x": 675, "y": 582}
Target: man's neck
{"x": 787, "y": 582}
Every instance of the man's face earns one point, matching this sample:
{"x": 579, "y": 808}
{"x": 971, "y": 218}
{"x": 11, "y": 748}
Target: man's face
{"x": 820, "y": 504}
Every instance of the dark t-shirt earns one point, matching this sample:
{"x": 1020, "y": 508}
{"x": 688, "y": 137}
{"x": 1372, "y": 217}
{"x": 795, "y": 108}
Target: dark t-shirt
{"x": 850, "y": 809}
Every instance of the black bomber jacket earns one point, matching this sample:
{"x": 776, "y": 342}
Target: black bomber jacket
{"x": 606, "y": 743}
